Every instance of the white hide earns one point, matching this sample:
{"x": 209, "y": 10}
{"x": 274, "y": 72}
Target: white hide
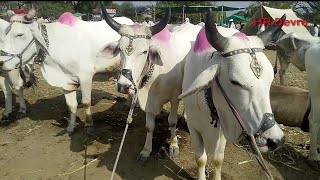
{"x": 172, "y": 54}
{"x": 166, "y": 81}
{"x": 199, "y": 72}
{"x": 291, "y": 49}
{"x": 73, "y": 59}
{"x": 313, "y": 78}
{"x": 7, "y": 83}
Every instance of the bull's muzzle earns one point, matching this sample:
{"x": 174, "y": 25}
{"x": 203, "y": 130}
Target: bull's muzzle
{"x": 275, "y": 143}
{"x": 123, "y": 88}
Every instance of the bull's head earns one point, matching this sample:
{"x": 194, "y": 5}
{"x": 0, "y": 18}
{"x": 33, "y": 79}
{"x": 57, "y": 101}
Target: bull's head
{"x": 245, "y": 79}
{"x": 22, "y": 40}
{"x": 136, "y": 49}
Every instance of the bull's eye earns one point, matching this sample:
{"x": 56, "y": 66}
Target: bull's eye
{"x": 236, "y": 83}
{"x": 19, "y": 35}
{"x": 144, "y": 52}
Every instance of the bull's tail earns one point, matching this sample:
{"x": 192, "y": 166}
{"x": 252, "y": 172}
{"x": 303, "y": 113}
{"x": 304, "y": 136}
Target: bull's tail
{"x": 305, "y": 122}
{"x": 275, "y": 67}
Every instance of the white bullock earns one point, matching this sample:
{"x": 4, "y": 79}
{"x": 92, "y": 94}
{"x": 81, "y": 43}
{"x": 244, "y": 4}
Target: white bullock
{"x": 313, "y": 77}
{"x": 156, "y": 54}
{"x": 12, "y": 81}
{"x": 226, "y": 91}
{"x": 71, "y": 46}
{"x": 291, "y": 49}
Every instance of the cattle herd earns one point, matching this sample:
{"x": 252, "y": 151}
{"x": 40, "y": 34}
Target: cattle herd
{"x": 222, "y": 76}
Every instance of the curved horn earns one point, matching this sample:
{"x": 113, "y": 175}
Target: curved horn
{"x": 31, "y": 14}
{"x": 266, "y": 35}
{"x": 162, "y": 24}
{"x": 111, "y": 22}
{"x": 216, "y": 40}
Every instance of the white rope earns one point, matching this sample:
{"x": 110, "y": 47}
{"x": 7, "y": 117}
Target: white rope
{"x": 129, "y": 120}
{"x": 259, "y": 157}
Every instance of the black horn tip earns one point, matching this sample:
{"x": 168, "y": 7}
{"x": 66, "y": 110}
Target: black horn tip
{"x": 162, "y": 24}
{"x": 284, "y": 17}
{"x": 216, "y": 40}
{"x": 111, "y": 22}
{"x": 266, "y": 36}
{"x": 209, "y": 25}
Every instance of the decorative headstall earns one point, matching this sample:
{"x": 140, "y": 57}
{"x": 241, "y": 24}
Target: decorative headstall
{"x": 41, "y": 54}
{"x": 148, "y": 68}
{"x": 256, "y": 67}
{"x": 129, "y": 49}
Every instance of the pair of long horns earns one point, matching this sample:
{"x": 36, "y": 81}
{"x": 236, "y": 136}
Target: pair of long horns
{"x": 154, "y": 29}
{"x": 220, "y": 42}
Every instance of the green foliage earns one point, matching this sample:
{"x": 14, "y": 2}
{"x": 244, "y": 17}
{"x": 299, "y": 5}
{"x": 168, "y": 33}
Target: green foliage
{"x": 177, "y": 17}
{"x": 309, "y": 10}
{"x": 53, "y": 8}
{"x": 128, "y": 10}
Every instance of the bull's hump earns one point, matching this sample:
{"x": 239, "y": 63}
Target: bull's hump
{"x": 201, "y": 43}
{"x": 241, "y": 35}
{"x": 163, "y": 36}
{"x": 68, "y": 18}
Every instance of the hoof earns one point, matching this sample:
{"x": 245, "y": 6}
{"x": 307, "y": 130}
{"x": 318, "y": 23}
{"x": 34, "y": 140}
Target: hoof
{"x": 70, "y": 133}
{"x": 89, "y": 130}
{"x": 174, "y": 152}
{"x": 142, "y": 160}
{"x": 22, "y": 115}
{"x": 315, "y": 165}
{"x": 6, "y": 120}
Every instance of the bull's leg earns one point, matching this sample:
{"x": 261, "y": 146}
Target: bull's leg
{"x": 199, "y": 152}
{"x": 314, "y": 122}
{"x": 8, "y": 99}
{"x": 173, "y": 119}
{"x": 282, "y": 71}
{"x": 22, "y": 102}
{"x": 219, "y": 157}
{"x": 71, "y": 100}
{"x": 147, "y": 149}
{"x": 86, "y": 89}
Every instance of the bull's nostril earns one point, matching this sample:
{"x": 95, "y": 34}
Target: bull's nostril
{"x": 274, "y": 143}
{"x": 119, "y": 87}
{"x": 283, "y": 139}
{"x": 123, "y": 88}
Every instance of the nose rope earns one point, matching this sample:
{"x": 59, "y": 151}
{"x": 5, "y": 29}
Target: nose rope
{"x": 248, "y": 136}
{"x": 127, "y": 73}
{"x": 129, "y": 120}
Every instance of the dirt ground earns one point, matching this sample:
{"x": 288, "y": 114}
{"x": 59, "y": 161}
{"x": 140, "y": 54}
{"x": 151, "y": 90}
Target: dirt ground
{"x": 37, "y": 146}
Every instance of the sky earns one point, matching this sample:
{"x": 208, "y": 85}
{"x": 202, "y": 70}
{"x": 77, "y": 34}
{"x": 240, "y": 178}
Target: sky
{"x": 240, "y": 4}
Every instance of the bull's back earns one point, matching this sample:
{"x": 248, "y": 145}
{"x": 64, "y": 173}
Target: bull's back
{"x": 288, "y": 104}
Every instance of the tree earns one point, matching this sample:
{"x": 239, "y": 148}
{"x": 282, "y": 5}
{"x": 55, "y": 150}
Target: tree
{"x": 127, "y": 9}
{"x": 309, "y": 10}
{"x": 175, "y": 17}
{"x": 87, "y": 6}
{"x": 52, "y": 8}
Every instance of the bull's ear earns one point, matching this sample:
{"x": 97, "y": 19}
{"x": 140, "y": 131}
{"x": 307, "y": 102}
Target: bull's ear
{"x": 203, "y": 81}
{"x": 40, "y": 41}
{"x": 109, "y": 51}
{"x": 154, "y": 55}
